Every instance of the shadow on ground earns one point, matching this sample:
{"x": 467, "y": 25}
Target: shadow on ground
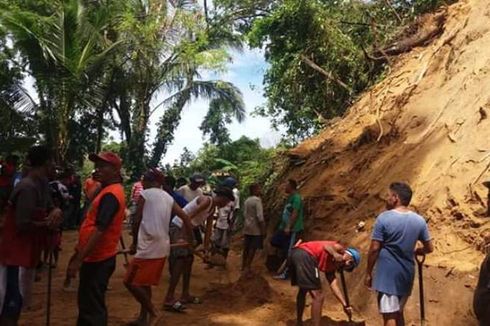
{"x": 327, "y": 321}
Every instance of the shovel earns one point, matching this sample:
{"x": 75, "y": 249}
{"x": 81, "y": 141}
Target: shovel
{"x": 347, "y": 301}
{"x": 50, "y": 278}
{"x": 124, "y": 251}
{"x": 420, "y": 264}
{"x": 344, "y": 288}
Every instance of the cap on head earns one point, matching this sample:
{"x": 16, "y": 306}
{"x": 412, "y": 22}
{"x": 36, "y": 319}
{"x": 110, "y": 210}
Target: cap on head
{"x": 154, "y": 175}
{"x": 229, "y": 182}
{"x": 356, "y": 258}
{"x": 108, "y": 157}
{"x": 197, "y": 178}
{"x": 225, "y": 192}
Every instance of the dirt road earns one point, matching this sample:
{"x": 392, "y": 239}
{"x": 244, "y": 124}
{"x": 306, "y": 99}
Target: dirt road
{"x": 260, "y": 301}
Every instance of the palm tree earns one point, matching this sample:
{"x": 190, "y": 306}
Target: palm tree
{"x": 117, "y": 56}
{"x": 65, "y": 51}
{"x": 168, "y": 46}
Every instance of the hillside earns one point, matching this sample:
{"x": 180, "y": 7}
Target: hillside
{"x": 427, "y": 124}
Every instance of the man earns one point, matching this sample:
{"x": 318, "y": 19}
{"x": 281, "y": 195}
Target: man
{"x": 393, "y": 247}
{"x": 224, "y": 224}
{"x": 135, "y": 196}
{"x": 29, "y": 216}
{"x": 308, "y": 259}
{"x": 481, "y": 300}
{"x": 95, "y": 254}
{"x": 200, "y": 211}
{"x": 254, "y": 228}
{"x": 292, "y": 222}
{"x": 193, "y": 189}
{"x": 151, "y": 243}
{"x": 8, "y": 171}
{"x": 75, "y": 190}
{"x": 169, "y": 186}
{"x": 91, "y": 188}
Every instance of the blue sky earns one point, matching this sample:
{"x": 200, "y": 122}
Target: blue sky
{"x": 246, "y": 71}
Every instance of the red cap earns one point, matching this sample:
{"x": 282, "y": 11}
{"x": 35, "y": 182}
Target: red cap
{"x": 109, "y": 157}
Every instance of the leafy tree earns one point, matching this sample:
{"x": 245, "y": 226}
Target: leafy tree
{"x": 316, "y": 51}
{"x": 18, "y": 127}
{"x": 64, "y": 50}
{"x": 100, "y": 65}
{"x": 243, "y": 158}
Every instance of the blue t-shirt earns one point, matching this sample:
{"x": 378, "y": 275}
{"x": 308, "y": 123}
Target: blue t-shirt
{"x": 179, "y": 199}
{"x": 398, "y": 233}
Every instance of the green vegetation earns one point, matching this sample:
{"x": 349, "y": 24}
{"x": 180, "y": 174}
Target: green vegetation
{"x": 101, "y": 66}
{"x": 316, "y": 51}
{"x": 244, "y": 159}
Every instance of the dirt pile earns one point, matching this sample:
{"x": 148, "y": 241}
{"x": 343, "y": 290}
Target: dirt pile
{"x": 427, "y": 124}
{"x": 255, "y": 290}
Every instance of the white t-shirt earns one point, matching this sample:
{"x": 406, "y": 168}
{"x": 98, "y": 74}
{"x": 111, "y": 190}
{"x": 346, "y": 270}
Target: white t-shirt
{"x": 236, "y": 194}
{"x": 153, "y": 237}
{"x": 254, "y": 214}
{"x": 189, "y": 194}
{"x": 198, "y": 219}
{"x": 224, "y": 215}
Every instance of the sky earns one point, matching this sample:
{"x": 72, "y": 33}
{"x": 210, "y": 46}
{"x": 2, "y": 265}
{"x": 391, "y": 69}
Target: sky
{"x": 246, "y": 71}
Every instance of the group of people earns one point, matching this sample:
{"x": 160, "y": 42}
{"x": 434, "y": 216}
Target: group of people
{"x": 393, "y": 248}
{"x": 172, "y": 226}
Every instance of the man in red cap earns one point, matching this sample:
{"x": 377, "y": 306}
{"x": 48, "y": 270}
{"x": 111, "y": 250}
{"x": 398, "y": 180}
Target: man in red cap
{"x": 95, "y": 254}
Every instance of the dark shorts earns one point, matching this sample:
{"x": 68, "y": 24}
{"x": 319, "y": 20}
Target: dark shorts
{"x": 303, "y": 269}
{"x": 177, "y": 234}
{"x": 253, "y": 242}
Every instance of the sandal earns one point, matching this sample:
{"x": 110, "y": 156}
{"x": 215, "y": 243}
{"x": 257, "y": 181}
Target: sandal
{"x": 191, "y": 300}
{"x": 177, "y": 306}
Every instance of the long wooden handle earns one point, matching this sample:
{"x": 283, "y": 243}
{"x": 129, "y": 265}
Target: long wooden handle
{"x": 344, "y": 288}
{"x": 121, "y": 240}
{"x": 420, "y": 264}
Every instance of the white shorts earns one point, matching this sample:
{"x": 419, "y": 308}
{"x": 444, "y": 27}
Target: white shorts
{"x": 391, "y": 303}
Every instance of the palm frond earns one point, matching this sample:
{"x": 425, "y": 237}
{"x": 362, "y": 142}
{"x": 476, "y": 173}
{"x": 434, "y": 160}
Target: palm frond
{"x": 17, "y": 98}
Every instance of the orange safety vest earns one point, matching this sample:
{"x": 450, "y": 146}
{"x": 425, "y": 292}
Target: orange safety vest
{"x": 107, "y": 245}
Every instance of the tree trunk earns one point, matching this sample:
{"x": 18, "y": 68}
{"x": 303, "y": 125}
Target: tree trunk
{"x": 100, "y": 130}
{"x": 136, "y": 154}
{"x": 166, "y": 128}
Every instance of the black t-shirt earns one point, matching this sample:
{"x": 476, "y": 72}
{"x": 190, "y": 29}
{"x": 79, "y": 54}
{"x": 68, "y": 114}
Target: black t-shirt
{"x": 75, "y": 190}
{"x": 481, "y": 302}
{"x": 108, "y": 208}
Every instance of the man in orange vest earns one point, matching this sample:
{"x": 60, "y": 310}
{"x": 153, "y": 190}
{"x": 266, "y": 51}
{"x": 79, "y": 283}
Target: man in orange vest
{"x": 95, "y": 254}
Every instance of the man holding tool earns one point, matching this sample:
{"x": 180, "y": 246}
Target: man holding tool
{"x": 308, "y": 259}
{"x": 100, "y": 232}
{"x": 151, "y": 243}
{"x": 393, "y": 249}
